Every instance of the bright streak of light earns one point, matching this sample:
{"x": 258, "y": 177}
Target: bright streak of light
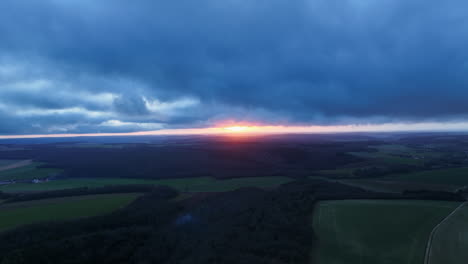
{"x": 246, "y": 130}
{"x": 237, "y": 129}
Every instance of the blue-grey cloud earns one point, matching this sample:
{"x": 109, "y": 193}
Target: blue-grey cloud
{"x": 79, "y": 64}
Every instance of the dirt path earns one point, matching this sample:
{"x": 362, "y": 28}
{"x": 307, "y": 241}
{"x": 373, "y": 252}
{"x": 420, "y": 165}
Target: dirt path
{"x": 15, "y": 165}
{"x": 427, "y": 257}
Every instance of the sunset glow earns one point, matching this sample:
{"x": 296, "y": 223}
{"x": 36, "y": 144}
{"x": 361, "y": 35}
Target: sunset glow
{"x": 246, "y": 130}
{"x": 237, "y": 129}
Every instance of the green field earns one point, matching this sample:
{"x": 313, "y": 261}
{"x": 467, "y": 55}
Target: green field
{"x": 375, "y": 231}
{"x": 453, "y": 176}
{"x": 450, "y": 240}
{"x": 29, "y": 172}
{"x": 195, "y": 184}
{"x": 22, "y": 213}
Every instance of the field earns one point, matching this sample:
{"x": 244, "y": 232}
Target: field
{"x": 397, "y": 186}
{"x": 392, "y": 154}
{"x": 393, "y": 148}
{"x": 9, "y": 148}
{"x": 375, "y": 231}
{"x": 195, "y": 184}
{"x": 22, "y": 213}
{"x": 450, "y": 240}
{"x": 341, "y": 172}
{"x": 28, "y": 172}
{"x": 387, "y": 158}
{"x": 420, "y": 152}
{"x": 219, "y": 157}
{"x": 13, "y": 164}
{"x": 397, "y": 154}
{"x": 452, "y": 176}
{"x": 4, "y": 163}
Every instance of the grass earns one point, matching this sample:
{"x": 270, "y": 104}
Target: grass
{"x": 195, "y": 184}
{"x": 375, "y": 231}
{"x": 452, "y": 176}
{"x": 32, "y": 171}
{"x": 24, "y": 213}
{"x": 451, "y": 239}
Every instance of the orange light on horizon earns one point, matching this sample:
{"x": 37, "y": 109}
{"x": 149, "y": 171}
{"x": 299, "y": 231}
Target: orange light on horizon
{"x": 232, "y": 128}
{"x": 237, "y": 129}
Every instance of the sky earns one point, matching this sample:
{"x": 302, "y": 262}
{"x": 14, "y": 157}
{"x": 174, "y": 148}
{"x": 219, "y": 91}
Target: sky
{"x": 118, "y": 66}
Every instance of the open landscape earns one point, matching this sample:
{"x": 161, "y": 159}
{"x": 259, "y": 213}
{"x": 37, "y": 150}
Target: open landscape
{"x": 365, "y": 199}
{"x": 233, "y": 132}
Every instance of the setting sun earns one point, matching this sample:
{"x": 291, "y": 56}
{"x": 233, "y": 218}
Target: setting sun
{"x": 237, "y": 128}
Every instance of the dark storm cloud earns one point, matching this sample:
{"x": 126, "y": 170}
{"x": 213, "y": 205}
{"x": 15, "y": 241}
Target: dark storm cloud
{"x": 132, "y": 105}
{"x": 276, "y": 61}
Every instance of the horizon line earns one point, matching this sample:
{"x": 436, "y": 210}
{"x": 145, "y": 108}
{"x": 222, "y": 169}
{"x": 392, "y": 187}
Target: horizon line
{"x": 270, "y": 129}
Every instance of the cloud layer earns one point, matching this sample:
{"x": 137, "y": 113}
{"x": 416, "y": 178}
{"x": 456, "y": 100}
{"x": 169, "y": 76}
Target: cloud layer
{"x": 119, "y": 66}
